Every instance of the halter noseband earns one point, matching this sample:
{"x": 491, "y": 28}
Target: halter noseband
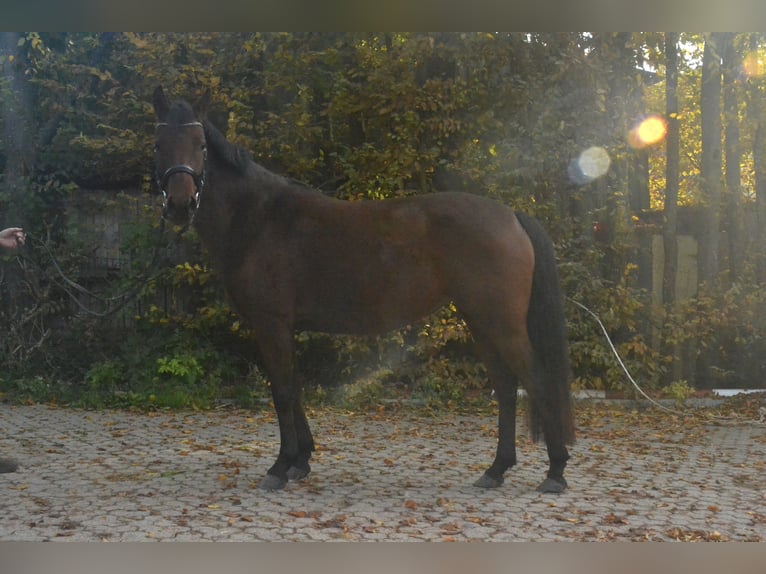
{"x": 198, "y": 178}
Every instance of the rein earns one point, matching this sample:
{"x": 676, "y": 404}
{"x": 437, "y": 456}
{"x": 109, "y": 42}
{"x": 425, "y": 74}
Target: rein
{"x": 118, "y": 302}
{"x": 72, "y": 288}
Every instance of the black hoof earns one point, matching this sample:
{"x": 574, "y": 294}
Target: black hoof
{"x": 487, "y": 481}
{"x": 296, "y": 473}
{"x": 271, "y": 482}
{"x": 8, "y": 465}
{"x": 553, "y": 485}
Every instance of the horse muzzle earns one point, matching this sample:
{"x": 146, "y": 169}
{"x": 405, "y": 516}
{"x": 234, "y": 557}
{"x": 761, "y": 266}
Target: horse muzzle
{"x": 180, "y": 212}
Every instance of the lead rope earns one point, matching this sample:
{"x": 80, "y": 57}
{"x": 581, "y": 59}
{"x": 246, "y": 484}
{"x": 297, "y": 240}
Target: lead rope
{"x": 762, "y": 410}
{"x": 619, "y": 359}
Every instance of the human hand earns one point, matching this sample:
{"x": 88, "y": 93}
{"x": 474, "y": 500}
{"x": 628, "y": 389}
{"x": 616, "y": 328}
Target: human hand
{"x": 12, "y": 237}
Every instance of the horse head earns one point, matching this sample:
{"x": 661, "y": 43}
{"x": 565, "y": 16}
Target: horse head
{"x": 180, "y": 157}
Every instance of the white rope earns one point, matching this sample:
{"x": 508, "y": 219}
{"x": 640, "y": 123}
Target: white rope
{"x": 619, "y": 359}
{"x": 730, "y": 419}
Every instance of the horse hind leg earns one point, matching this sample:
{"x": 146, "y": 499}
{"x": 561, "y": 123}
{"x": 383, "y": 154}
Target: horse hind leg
{"x": 543, "y": 420}
{"x": 516, "y": 353}
{"x": 549, "y": 417}
{"x": 505, "y": 385}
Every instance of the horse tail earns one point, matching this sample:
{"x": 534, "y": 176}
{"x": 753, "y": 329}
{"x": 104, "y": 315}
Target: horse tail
{"x": 546, "y": 327}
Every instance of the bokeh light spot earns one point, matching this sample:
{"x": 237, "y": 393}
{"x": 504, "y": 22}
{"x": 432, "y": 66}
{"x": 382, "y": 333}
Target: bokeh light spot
{"x": 648, "y": 132}
{"x": 591, "y": 164}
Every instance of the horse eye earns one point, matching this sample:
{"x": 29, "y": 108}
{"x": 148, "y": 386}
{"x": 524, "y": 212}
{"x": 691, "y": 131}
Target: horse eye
{"x": 156, "y": 147}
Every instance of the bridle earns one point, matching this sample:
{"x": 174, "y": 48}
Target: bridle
{"x": 198, "y": 178}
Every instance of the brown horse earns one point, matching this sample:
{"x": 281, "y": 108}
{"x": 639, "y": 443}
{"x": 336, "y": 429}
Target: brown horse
{"x": 293, "y": 259}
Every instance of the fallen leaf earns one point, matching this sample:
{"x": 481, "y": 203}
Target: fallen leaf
{"x": 612, "y": 518}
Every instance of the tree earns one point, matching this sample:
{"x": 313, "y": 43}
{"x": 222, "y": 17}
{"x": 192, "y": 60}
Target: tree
{"x": 15, "y": 108}
{"x": 710, "y": 185}
{"x": 733, "y": 157}
{"x": 756, "y": 111}
{"x": 670, "y": 206}
{"x": 670, "y": 209}
{"x": 17, "y": 143}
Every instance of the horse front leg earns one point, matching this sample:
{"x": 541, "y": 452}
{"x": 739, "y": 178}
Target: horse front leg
{"x": 277, "y": 355}
{"x": 300, "y": 467}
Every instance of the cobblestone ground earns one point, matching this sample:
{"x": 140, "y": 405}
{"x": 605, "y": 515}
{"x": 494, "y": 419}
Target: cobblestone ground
{"x": 401, "y": 475}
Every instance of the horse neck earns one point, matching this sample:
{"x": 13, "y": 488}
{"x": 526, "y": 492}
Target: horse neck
{"x": 226, "y": 194}
{"x": 213, "y": 220}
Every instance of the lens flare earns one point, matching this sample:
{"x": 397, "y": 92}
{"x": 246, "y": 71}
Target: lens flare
{"x": 648, "y": 132}
{"x": 591, "y": 164}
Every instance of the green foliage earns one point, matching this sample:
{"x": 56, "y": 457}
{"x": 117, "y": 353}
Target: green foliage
{"x": 175, "y": 373}
{"x": 728, "y": 325}
{"x": 621, "y": 309}
{"x": 679, "y": 391}
{"x": 362, "y": 393}
{"x": 32, "y": 389}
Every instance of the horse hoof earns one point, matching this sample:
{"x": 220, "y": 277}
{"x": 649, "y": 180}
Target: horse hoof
{"x": 553, "y": 485}
{"x": 295, "y": 473}
{"x": 271, "y": 482}
{"x": 8, "y": 465}
{"x": 486, "y": 481}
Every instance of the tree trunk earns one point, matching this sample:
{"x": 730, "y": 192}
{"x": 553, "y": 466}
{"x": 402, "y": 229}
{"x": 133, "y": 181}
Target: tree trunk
{"x": 640, "y": 200}
{"x": 710, "y": 109}
{"x": 671, "y": 171}
{"x": 15, "y": 110}
{"x": 622, "y": 107}
{"x": 17, "y": 143}
{"x": 732, "y": 191}
{"x": 757, "y": 115}
{"x": 670, "y": 215}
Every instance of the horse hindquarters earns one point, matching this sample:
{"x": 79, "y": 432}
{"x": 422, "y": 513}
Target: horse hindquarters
{"x": 518, "y": 325}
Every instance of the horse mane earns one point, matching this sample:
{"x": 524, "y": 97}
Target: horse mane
{"x": 236, "y": 157}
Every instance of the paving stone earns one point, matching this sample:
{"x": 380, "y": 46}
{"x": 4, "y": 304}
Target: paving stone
{"x": 405, "y": 476}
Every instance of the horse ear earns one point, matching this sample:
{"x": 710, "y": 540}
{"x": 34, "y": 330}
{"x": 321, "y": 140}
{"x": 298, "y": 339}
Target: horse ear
{"x": 203, "y": 103}
{"x": 161, "y": 105}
